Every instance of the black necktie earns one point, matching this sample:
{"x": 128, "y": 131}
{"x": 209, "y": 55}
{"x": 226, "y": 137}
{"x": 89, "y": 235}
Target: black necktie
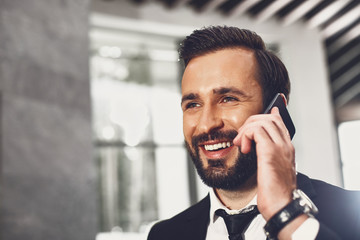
{"x": 236, "y": 224}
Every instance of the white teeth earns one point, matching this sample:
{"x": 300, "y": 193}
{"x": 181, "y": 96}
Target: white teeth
{"x": 217, "y": 146}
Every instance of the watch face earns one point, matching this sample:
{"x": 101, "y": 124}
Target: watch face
{"x": 305, "y": 201}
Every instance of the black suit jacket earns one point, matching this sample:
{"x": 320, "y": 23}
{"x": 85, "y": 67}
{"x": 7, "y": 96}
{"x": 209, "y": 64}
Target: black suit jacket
{"x": 339, "y": 215}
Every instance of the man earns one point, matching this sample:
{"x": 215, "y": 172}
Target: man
{"x": 247, "y": 157}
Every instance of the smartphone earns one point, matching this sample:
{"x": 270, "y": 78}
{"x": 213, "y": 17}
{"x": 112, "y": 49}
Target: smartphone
{"x": 278, "y": 101}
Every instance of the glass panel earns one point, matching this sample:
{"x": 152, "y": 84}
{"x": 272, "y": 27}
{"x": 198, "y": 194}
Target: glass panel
{"x": 127, "y": 191}
{"x": 136, "y": 113}
{"x": 349, "y": 139}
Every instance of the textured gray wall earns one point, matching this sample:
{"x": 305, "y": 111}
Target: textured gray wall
{"x": 48, "y": 180}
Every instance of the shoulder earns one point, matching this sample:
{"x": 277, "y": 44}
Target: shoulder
{"x": 330, "y": 194}
{"x": 333, "y": 202}
{"x": 317, "y": 189}
{"x": 175, "y": 226}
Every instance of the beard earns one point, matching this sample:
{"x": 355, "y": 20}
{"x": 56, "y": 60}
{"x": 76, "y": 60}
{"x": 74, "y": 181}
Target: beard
{"x": 218, "y": 174}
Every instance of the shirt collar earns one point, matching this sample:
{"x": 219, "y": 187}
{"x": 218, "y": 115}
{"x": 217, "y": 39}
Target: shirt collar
{"x": 216, "y": 204}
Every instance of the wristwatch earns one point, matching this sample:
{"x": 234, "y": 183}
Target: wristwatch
{"x": 301, "y": 204}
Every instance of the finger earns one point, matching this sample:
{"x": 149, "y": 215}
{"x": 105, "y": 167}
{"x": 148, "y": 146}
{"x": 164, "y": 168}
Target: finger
{"x": 247, "y": 133}
{"x": 237, "y": 139}
{"x": 272, "y": 123}
{"x": 245, "y": 144}
{"x": 275, "y": 111}
{"x": 276, "y": 130}
{"x": 252, "y": 119}
{"x": 258, "y": 133}
{"x": 268, "y": 125}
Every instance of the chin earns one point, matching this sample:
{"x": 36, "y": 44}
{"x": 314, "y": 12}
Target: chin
{"x": 230, "y": 173}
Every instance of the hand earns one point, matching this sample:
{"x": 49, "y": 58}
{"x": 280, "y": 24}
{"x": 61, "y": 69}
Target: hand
{"x": 276, "y": 175}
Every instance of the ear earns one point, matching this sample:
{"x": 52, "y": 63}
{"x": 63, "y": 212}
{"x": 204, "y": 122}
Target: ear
{"x": 284, "y": 98}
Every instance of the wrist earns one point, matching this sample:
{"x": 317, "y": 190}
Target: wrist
{"x": 289, "y": 229}
{"x": 274, "y": 208}
{"x": 290, "y": 217}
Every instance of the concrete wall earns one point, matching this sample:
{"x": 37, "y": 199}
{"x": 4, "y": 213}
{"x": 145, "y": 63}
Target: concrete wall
{"x": 48, "y": 180}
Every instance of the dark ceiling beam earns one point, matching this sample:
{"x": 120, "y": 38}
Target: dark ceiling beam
{"x": 257, "y": 8}
{"x": 355, "y": 43}
{"x": 242, "y": 8}
{"x": 348, "y": 95}
{"x": 344, "y": 58}
{"x": 347, "y": 76}
{"x": 180, "y": 3}
{"x": 271, "y": 9}
{"x": 198, "y": 5}
{"x": 289, "y": 8}
{"x": 344, "y": 69}
{"x": 342, "y": 22}
{"x": 212, "y": 5}
{"x": 326, "y": 13}
{"x": 351, "y": 5}
{"x": 138, "y": 1}
{"x": 352, "y": 34}
{"x": 299, "y": 12}
{"x": 322, "y": 4}
{"x": 173, "y": 4}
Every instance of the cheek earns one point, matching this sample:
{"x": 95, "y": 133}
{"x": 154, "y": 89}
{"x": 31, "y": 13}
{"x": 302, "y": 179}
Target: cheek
{"x": 235, "y": 119}
{"x": 189, "y": 126}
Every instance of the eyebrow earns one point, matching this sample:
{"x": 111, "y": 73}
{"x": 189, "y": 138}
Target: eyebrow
{"x": 225, "y": 90}
{"x": 190, "y": 96}
{"x": 217, "y": 91}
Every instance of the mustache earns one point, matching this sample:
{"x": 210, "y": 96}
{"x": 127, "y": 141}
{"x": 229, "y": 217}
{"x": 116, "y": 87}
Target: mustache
{"x": 214, "y": 135}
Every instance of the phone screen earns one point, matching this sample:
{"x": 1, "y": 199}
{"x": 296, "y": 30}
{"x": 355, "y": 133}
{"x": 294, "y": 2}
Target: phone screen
{"x": 279, "y": 102}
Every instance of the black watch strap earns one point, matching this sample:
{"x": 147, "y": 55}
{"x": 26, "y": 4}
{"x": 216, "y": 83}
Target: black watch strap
{"x": 282, "y": 218}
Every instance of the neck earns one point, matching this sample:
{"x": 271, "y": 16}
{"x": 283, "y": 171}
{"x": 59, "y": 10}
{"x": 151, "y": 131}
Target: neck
{"x": 239, "y": 198}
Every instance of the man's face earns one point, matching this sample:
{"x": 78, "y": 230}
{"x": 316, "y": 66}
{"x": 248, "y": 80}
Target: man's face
{"x": 219, "y": 92}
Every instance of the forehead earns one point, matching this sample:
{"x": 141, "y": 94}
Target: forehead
{"x": 235, "y": 67}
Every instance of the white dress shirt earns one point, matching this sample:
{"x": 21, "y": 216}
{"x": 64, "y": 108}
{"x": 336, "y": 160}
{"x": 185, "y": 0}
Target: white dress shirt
{"x": 217, "y": 228}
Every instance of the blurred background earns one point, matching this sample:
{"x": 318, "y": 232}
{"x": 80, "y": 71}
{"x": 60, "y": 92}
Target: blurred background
{"x": 91, "y": 124}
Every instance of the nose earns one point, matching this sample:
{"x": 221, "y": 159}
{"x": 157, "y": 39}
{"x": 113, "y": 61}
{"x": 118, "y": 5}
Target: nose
{"x": 210, "y": 119}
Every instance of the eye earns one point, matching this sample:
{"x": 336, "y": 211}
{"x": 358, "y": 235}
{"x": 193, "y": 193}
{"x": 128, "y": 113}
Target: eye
{"x": 191, "y": 105}
{"x": 229, "y": 99}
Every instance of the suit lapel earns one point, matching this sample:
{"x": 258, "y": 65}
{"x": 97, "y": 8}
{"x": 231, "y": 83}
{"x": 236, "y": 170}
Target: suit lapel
{"x": 304, "y": 183}
{"x": 197, "y": 220}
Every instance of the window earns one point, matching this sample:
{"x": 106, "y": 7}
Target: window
{"x": 349, "y": 138}
{"x": 137, "y": 124}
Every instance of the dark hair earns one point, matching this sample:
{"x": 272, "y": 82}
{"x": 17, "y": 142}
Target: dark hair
{"x": 272, "y": 74}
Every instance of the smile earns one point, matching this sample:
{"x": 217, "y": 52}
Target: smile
{"x": 217, "y": 146}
